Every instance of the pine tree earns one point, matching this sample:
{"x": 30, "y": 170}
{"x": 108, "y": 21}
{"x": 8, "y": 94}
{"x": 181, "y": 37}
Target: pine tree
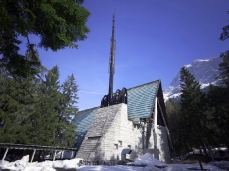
{"x": 218, "y": 96}
{"x": 225, "y": 34}
{"x": 45, "y": 116}
{"x": 15, "y": 106}
{"x": 55, "y": 110}
{"x": 219, "y": 109}
{"x": 59, "y": 24}
{"x": 38, "y": 111}
{"x": 66, "y": 131}
{"x": 224, "y": 68}
{"x": 192, "y": 107}
{"x": 8, "y": 110}
{"x": 172, "y": 110}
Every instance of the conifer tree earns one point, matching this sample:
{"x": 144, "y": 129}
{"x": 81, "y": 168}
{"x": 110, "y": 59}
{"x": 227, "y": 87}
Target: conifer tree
{"x": 223, "y": 103}
{"x": 224, "y": 68}
{"x": 219, "y": 109}
{"x": 172, "y": 110}
{"x": 66, "y": 131}
{"x": 218, "y": 96}
{"x": 58, "y": 24}
{"x": 15, "y": 106}
{"x": 8, "y": 110}
{"x": 45, "y": 116}
{"x": 192, "y": 107}
{"x": 37, "y": 111}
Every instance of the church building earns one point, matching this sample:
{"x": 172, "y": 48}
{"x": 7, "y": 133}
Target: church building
{"x": 128, "y": 124}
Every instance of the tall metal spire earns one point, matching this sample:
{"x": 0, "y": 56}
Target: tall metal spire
{"x": 112, "y": 62}
{"x": 120, "y": 96}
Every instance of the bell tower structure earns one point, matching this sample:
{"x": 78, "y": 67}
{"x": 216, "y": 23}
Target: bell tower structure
{"x": 119, "y": 96}
{"x": 112, "y": 62}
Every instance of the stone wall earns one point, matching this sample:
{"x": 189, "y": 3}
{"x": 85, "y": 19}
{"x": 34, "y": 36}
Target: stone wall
{"x": 160, "y": 142}
{"x": 99, "y": 126}
{"x": 121, "y": 135}
{"x": 111, "y": 133}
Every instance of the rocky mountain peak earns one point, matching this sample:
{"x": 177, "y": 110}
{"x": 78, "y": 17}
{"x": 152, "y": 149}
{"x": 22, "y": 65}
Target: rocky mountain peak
{"x": 205, "y": 72}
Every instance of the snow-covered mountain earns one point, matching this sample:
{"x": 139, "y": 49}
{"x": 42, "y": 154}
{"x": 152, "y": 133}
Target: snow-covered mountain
{"x": 205, "y": 72}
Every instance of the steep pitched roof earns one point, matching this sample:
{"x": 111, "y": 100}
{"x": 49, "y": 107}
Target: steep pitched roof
{"x": 140, "y": 103}
{"x": 141, "y": 100}
{"x": 83, "y": 122}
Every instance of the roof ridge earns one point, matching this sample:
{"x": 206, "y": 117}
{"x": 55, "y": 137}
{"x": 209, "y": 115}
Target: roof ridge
{"x": 88, "y": 109}
{"x": 145, "y": 84}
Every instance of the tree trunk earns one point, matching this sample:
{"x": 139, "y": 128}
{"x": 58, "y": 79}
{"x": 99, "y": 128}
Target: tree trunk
{"x": 200, "y": 149}
{"x": 210, "y": 152}
{"x": 226, "y": 138}
{"x": 204, "y": 148}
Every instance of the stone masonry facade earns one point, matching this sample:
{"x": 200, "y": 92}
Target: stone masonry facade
{"x": 111, "y": 133}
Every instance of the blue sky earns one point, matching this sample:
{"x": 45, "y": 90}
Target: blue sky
{"x": 154, "y": 39}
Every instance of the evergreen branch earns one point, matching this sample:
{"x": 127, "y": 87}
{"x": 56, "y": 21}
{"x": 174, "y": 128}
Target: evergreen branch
{"x": 15, "y": 78}
{"x": 33, "y": 54}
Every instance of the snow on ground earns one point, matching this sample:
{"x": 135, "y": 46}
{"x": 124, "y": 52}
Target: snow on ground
{"x": 24, "y": 165}
{"x": 110, "y": 168}
{"x": 144, "y": 163}
{"x": 17, "y": 165}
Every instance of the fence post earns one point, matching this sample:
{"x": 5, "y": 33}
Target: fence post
{"x": 34, "y": 151}
{"x": 5, "y": 154}
{"x": 54, "y": 156}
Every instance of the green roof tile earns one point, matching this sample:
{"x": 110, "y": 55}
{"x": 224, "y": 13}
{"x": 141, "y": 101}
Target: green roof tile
{"x": 140, "y": 100}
